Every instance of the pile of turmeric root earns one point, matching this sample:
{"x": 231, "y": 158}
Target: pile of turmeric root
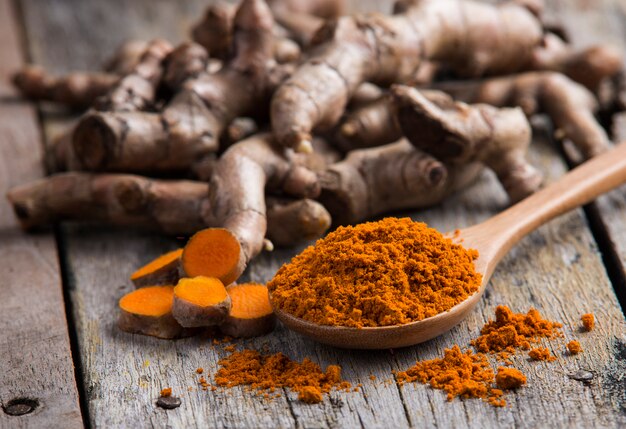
{"x": 281, "y": 117}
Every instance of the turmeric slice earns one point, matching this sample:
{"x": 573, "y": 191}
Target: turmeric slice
{"x": 251, "y": 313}
{"x": 163, "y": 270}
{"x": 200, "y": 301}
{"x": 148, "y": 311}
{"x": 213, "y": 252}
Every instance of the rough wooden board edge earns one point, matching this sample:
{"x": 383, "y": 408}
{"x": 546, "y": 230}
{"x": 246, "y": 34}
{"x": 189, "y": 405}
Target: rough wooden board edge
{"x": 35, "y": 350}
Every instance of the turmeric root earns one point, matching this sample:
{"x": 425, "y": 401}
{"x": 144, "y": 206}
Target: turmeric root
{"x": 239, "y": 129}
{"x": 161, "y": 271}
{"x": 78, "y": 90}
{"x": 148, "y": 311}
{"x": 251, "y": 313}
{"x": 569, "y": 105}
{"x": 369, "y": 125}
{"x": 186, "y": 61}
{"x": 458, "y": 133}
{"x": 302, "y": 218}
{"x": 126, "y": 57}
{"x": 587, "y": 66}
{"x": 137, "y": 90}
{"x": 396, "y": 176}
{"x": 215, "y": 33}
{"x": 388, "y": 49}
{"x": 300, "y": 18}
{"x": 288, "y": 223}
{"x": 171, "y": 206}
{"x": 191, "y": 124}
{"x": 200, "y": 301}
{"x": 237, "y": 198}
{"x": 214, "y": 30}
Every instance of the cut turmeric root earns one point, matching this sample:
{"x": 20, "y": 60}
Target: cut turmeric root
{"x": 213, "y": 252}
{"x": 200, "y": 301}
{"x": 161, "y": 271}
{"x": 251, "y": 313}
{"x": 148, "y": 311}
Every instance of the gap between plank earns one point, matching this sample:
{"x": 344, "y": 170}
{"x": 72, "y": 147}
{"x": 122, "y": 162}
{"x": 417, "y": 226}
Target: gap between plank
{"x": 79, "y": 373}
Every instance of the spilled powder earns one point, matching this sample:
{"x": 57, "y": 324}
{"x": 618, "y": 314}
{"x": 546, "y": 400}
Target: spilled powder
{"x": 574, "y": 347}
{"x": 465, "y": 374}
{"x": 588, "y": 321}
{"x": 468, "y": 374}
{"x": 266, "y": 373}
{"x": 509, "y": 378}
{"x": 541, "y": 353}
{"x": 511, "y": 331}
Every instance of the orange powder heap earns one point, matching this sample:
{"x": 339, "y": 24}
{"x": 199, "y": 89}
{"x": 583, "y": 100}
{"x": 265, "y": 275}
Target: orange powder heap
{"x": 509, "y": 378}
{"x": 588, "y": 321}
{"x": 574, "y": 347}
{"x": 514, "y": 330}
{"x": 270, "y": 372}
{"x": 465, "y": 374}
{"x": 541, "y": 353}
{"x": 390, "y": 272}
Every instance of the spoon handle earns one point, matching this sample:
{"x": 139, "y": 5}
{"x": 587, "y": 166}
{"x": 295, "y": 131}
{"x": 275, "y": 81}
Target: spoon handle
{"x": 578, "y": 187}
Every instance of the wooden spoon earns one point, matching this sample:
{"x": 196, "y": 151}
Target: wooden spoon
{"x": 493, "y": 239}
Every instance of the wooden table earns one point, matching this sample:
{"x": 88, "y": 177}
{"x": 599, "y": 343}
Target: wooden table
{"x": 63, "y": 359}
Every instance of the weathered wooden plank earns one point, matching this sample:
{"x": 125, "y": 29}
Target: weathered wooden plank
{"x": 603, "y": 22}
{"x": 36, "y": 362}
{"x": 557, "y": 270}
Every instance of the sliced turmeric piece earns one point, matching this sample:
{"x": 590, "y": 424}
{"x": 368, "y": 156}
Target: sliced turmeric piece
{"x": 200, "y": 301}
{"x": 148, "y": 311}
{"x": 213, "y": 252}
{"x": 251, "y": 313}
{"x": 163, "y": 270}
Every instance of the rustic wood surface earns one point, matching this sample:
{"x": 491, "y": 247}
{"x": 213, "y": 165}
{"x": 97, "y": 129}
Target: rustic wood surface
{"x": 36, "y": 364}
{"x": 557, "y": 269}
{"x": 603, "y": 21}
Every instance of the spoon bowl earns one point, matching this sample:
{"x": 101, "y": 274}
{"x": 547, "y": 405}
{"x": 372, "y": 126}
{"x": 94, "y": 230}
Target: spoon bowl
{"x": 493, "y": 239}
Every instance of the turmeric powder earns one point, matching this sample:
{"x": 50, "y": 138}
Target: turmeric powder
{"x": 509, "y": 378}
{"x": 266, "y": 373}
{"x": 466, "y": 374}
{"x": 574, "y": 347}
{"x": 514, "y": 330}
{"x": 588, "y": 321}
{"x": 541, "y": 353}
{"x": 390, "y": 272}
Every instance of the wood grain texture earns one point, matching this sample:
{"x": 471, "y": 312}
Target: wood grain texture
{"x": 604, "y": 23}
{"x": 35, "y": 355}
{"x": 556, "y": 269}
